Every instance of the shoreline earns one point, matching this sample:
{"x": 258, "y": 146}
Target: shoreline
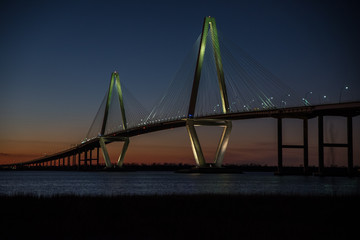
{"x": 187, "y": 168}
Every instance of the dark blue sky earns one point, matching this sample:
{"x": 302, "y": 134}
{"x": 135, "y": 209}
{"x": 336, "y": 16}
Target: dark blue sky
{"x": 57, "y": 56}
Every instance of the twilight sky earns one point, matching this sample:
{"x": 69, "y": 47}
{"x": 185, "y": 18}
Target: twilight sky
{"x": 57, "y": 57}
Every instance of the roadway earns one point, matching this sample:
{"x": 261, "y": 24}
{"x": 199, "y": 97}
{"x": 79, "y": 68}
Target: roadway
{"x": 351, "y": 109}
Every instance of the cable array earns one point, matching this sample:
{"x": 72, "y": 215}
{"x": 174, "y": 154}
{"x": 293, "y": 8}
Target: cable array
{"x": 174, "y": 104}
{"x": 135, "y": 114}
{"x": 249, "y": 85}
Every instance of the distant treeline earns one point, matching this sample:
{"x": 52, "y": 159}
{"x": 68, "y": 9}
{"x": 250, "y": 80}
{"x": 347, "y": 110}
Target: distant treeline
{"x": 341, "y": 171}
{"x": 147, "y": 167}
{"x": 174, "y": 167}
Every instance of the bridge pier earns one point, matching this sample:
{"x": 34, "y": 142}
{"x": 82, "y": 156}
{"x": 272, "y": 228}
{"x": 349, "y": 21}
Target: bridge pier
{"x": 90, "y": 157}
{"x": 105, "y": 140}
{"x": 348, "y": 145}
{"x": 195, "y": 143}
{"x": 79, "y": 160}
{"x": 321, "y": 143}
{"x": 86, "y": 158}
{"x": 97, "y": 156}
{"x": 280, "y": 146}
{"x": 74, "y": 160}
{"x": 279, "y": 136}
{"x": 306, "y": 145}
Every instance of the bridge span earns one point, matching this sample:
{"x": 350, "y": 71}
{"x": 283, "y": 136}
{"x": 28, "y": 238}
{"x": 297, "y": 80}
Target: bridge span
{"x": 87, "y": 152}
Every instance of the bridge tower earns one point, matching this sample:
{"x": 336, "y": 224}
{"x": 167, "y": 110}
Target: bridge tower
{"x": 114, "y": 80}
{"x": 209, "y": 27}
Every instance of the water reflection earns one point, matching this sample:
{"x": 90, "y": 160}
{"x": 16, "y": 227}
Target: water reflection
{"x": 144, "y": 183}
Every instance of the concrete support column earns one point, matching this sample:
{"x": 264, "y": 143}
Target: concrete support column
{"x": 279, "y": 135}
{"x": 90, "y": 157}
{"x": 79, "y": 159}
{"x": 123, "y": 152}
{"x": 105, "y": 153}
{"x": 306, "y": 145}
{"x": 350, "y": 144}
{"x": 85, "y": 158}
{"x": 195, "y": 144}
{"x": 224, "y": 140}
{"x": 321, "y": 143}
{"x": 97, "y": 156}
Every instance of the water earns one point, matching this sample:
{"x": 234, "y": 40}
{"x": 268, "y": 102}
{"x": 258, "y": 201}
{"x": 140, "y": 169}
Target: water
{"x": 47, "y": 183}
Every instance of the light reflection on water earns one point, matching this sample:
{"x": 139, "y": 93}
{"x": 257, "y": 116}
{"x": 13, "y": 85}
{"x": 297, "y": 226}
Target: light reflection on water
{"x": 45, "y": 183}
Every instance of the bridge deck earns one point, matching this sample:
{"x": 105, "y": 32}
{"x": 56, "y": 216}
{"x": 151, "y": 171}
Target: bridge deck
{"x": 341, "y": 109}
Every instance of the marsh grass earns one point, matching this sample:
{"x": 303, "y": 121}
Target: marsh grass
{"x": 205, "y": 216}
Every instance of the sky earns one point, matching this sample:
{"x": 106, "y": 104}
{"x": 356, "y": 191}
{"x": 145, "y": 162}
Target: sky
{"x": 57, "y": 57}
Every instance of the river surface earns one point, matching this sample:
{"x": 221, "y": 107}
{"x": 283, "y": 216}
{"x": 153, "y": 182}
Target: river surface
{"x": 48, "y": 183}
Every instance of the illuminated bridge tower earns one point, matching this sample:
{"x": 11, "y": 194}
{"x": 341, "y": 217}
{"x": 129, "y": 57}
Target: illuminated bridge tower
{"x": 115, "y": 80}
{"x": 209, "y": 27}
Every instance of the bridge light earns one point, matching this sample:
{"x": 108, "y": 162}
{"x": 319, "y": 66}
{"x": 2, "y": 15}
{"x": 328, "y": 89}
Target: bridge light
{"x": 346, "y": 87}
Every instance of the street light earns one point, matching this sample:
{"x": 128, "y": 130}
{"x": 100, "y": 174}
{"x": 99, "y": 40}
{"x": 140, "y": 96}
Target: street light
{"x": 345, "y": 88}
{"x": 323, "y": 99}
{"x": 284, "y": 99}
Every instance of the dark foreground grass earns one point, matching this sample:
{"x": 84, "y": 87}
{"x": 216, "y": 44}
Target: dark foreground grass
{"x": 180, "y": 217}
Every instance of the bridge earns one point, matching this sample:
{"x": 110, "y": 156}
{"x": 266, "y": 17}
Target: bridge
{"x": 212, "y": 88}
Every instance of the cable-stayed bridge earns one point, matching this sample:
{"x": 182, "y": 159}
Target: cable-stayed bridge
{"x": 216, "y": 84}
